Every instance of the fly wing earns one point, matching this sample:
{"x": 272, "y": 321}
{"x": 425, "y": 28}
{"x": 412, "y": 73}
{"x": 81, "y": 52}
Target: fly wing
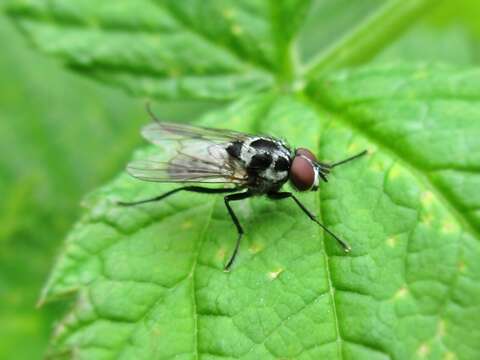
{"x": 159, "y": 132}
{"x": 189, "y": 154}
{"x": 187, "y": 167}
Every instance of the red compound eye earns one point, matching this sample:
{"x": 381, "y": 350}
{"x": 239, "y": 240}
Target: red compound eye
{"x": 307, "y": 153}
{"x": 302, "y": 173}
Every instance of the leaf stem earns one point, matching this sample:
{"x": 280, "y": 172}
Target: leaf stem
{"x": 370, "y": 36}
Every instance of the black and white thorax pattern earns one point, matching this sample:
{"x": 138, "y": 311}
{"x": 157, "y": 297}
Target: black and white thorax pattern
{"x": 266, "y": 160}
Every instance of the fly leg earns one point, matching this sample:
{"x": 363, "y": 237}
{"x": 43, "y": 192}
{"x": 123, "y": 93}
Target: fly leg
{"x": 228, "y": 198}
{"x": 203, "y": 190}
{"x": 285, "y": 195}
{"x": 196, "y": 189}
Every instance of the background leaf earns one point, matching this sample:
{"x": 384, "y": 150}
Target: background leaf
{"x": 60, "y": 137}
{"x": 166, "y": 49}
{"x": 424, "y": 120}
{"x": 55, "y": 146}
{"x": 153, "y": 275}
{"x": 409, "y": 288}
{"x": 173, "y": 50}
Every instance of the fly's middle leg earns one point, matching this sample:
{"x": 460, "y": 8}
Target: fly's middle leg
{"x": 228, "y": 199}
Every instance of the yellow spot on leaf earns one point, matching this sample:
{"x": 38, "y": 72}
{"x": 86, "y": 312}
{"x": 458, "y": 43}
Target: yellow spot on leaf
{"x": 401, "y": 293}
{"x": 156, "y": 331}
{"x": 255, "y": 248}
{"x": 235, "y": 120}
{"x": 461, "y": 266}
{"x": 427, "y": 219}
{"x": 423, "y": 350}
{"x": 426, "y": 198}
{"x": 186, "y": 225}
{"x": 353, "y": 148}
{"x": 221, "y": 253}
{"x": 228, "y": 13}
{"x": 449, "y": 227}
{"x": 449, "y": 356}
{"x": 237, "y": 30}
{"x": 392, "y": 241}
{"x": 441, "y": 328}
{"x": 299, "y": 85}
{"x": 377, "y": 166}
{"x": 59, "y": 330}
{"x": 395, "y": 172}
{"x": 274, "y": 274}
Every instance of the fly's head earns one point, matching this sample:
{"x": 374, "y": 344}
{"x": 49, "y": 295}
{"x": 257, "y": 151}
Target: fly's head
{"x": 306, "y": 171}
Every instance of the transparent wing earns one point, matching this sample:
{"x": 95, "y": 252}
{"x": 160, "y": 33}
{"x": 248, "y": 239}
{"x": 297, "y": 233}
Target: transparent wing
{"x": 189, "y": 154}
{"x": 160, "y": 132}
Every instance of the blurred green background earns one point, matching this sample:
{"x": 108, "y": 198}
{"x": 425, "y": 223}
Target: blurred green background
{"x": 62, "y": 136}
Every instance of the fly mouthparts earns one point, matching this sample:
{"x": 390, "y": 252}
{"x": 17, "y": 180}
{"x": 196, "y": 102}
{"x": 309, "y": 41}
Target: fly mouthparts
{"x": 323, "y": 172}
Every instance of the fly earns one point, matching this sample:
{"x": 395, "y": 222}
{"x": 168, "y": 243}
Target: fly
{"x": 253, "y": 165}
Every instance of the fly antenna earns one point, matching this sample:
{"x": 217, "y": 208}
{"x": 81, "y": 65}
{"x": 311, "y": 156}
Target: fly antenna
{"x": 150, "y": 112}
{"x": 364, "y": 152}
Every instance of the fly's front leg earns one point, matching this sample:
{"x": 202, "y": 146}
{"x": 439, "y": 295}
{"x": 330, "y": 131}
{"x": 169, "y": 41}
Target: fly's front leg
{"x": 196, "y": 189}
{"x": 228, "y": 198}
{"x": 285, "y": 195}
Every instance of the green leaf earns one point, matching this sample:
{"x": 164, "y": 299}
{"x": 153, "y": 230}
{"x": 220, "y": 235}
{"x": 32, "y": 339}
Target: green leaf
{"x": 50, "y": 143}
{"x": 150, "y": 279}
{"x": 214, "y": 50}
{"x": 167, "y": 49}
{"x": 56, "y": 145}
{"x": 425, "y": 44}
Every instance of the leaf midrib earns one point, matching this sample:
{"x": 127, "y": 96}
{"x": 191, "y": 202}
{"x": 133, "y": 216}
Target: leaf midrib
{"x": 331, "y": 288}
{"x": 193, "y": 274}
{"x": 425, "y": 180}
